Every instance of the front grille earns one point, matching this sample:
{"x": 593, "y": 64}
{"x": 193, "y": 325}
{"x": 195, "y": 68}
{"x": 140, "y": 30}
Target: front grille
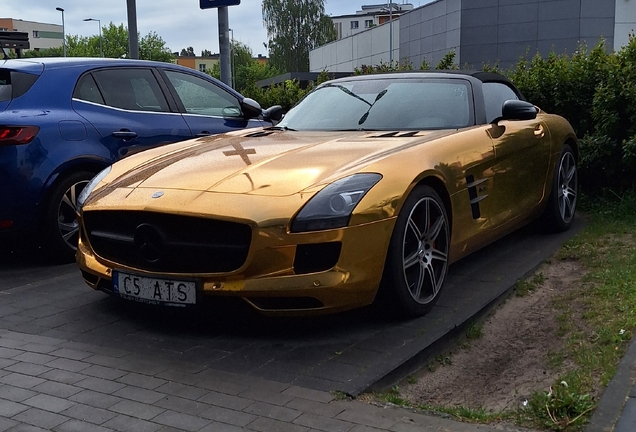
{"x": 168, "y": 243}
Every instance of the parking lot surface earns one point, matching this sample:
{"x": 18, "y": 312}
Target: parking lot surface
{"x": 71, "y": 357}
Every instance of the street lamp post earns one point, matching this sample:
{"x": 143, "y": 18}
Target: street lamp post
{"x": 232, "y": 57}
{"x": 63, "y": 31}
{"x": 390, "y": 4}
{"x": 99, "y": 23}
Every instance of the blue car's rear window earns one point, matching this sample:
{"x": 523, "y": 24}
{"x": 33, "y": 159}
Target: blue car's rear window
{"x": 5, "y": 85}
{"x": 14, "y": 84}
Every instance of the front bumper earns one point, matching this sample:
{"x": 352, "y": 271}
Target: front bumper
{"x": 270, "y": 280}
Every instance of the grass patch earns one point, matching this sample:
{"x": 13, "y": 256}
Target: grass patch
{"x": 527, "y": 286}
{"x": 475, "y": 330}
{"x": 596, "y": 320}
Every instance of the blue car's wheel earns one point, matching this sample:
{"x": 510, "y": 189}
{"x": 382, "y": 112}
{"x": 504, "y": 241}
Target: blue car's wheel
{"x": 60, "y": 229}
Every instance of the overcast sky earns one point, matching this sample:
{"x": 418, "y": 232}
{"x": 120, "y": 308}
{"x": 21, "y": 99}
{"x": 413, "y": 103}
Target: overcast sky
{"x": 181, "y": 23}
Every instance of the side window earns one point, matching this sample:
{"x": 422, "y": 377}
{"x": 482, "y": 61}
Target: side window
{"x": 495, "y": 94}
{"x": 86, "y": 89}
{"x": 131, "y": 89}
{"x": 203, "y": 97}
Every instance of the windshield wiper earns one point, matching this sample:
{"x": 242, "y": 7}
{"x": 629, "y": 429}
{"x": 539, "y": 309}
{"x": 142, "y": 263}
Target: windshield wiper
{"x": 365, "y": 116}
{"x": 349, "y": 92}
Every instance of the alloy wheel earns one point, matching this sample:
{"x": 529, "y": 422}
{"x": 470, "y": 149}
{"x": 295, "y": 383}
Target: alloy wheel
{"x": 67, "y": 215}
{"x": 425, "y": 250}
{"x": 567, "y": 187}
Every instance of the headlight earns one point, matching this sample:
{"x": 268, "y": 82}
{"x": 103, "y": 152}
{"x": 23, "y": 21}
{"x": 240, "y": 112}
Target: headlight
{"x": 81, "y": 199}
{"x": 332, "y": 206}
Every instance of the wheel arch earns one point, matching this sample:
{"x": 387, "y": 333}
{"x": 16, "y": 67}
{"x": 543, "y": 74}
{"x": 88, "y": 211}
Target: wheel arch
{"x": 62, "y": 173}
{"x": 574, "y": 145}
{"x": 438, "y": 185}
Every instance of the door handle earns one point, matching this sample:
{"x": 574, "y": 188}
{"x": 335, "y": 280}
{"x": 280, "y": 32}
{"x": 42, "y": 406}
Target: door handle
{"x": 539, "y": 131}
{"x": 125, "y": 134}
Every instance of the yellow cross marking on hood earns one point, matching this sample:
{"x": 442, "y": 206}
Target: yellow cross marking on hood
{"x": 242, "y": 152}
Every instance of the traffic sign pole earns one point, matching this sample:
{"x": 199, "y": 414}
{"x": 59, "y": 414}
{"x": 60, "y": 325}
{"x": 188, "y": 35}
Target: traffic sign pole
{"x": 224, "y": 46}
{"x": 224, "y": 34}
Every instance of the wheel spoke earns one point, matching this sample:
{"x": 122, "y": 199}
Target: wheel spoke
{"x": 431, "y": 275}
{"x": 411, "y": 260}
{"x": 416, "y": 231}
{"x": 66, "y": 201}
{"x": 417, "y": 291}
{"x": 434, "y": 231}
{"x": 439, "y": 255}
{"x": 569, "y": 205}
{"x": 570, "y": 175}
{"x": 70, "y": 234}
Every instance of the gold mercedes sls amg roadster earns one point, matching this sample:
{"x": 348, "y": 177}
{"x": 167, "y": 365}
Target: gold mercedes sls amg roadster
{"x": 367, "y": 190}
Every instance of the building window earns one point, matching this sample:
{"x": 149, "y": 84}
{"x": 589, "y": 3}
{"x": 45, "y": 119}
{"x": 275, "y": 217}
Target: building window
{"x": 202, "y": 67}
{"x": 354, "y": 24}
{"x": 368, "y": 23}
{"x": 36, "y": 34}
{"x": 4, "y": 29}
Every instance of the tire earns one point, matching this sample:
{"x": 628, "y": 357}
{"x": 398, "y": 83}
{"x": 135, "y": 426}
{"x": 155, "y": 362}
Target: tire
{"x": 59, "y": 227}
{"x": 561, "y": 207}
{"x": 417, "y": 258}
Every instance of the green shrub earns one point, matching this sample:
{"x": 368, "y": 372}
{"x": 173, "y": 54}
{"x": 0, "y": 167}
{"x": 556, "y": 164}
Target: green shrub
{"x": 596, "y": 91}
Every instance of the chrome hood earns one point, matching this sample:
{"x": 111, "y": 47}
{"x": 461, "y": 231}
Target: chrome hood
{"x": 272, "y": 163}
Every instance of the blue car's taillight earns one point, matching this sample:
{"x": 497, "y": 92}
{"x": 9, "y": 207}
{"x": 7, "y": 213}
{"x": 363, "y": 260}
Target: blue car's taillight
{"x": 15, "y": 135}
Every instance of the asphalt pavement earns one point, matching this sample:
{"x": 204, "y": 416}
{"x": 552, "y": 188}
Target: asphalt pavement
{"x": 75, "y": 359}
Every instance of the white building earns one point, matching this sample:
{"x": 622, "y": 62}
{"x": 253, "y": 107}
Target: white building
{"x": 483, "y": 32}
{"x": 41, "y": 35}
{"x": 370, "y": 16}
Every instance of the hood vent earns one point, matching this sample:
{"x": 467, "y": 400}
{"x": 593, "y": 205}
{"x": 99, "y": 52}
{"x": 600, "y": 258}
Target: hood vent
{"x": 259, "y": 134}
{"x": 397, "y": 134}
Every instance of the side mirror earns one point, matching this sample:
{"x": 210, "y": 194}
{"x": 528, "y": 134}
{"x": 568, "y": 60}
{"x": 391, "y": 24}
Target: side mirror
{"x": 273, "y": 114}
{"x": 518, "y": 110}
{"x": 251, "y": 108}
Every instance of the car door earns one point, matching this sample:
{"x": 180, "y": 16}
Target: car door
{"x": 207, "y": 107}
{"x": 129, "y": 109}
{"x": 522, "y": 152}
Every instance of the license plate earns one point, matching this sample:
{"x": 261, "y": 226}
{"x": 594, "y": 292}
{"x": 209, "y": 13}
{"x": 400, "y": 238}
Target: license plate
{"x": 154, "y": 290}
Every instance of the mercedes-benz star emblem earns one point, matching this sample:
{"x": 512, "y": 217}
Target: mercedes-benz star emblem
{"x": 149, "y": 242}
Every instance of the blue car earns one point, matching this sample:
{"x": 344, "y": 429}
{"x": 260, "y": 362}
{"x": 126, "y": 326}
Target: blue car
{"x": 62, "y": 120}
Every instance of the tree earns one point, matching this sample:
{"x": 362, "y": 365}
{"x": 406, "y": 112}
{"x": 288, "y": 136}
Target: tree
{"x": 114, "y": 44}
{"x": 187, "y": 52}
{"x": 294, "y": 27}
{"x": 153, "y": 47}
{"x": 206, "y": 53}
{"x": 245, "y": 69}
{"x": 115, "y": 40}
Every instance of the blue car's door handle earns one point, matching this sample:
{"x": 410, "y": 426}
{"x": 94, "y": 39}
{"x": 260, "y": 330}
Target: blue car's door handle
{"x": 125, "y": 134}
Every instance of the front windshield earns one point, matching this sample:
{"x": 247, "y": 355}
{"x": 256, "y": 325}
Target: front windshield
{"x": 384, "y": 104}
